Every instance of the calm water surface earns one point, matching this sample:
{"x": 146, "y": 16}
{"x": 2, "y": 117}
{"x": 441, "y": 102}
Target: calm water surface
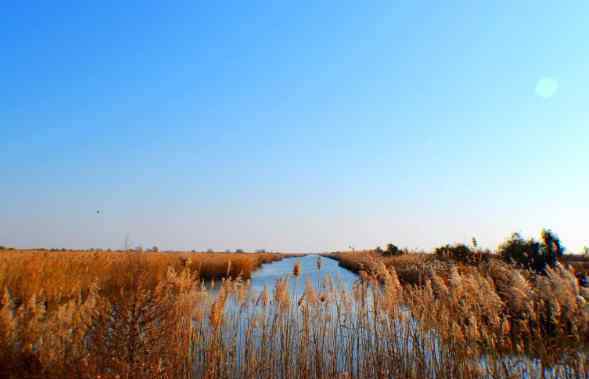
{"x": 269, "y": 273}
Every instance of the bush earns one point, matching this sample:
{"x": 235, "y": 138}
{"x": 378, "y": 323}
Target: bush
{"x": 459, "y": 252}
{"x": 392, "y": 250}
{"x": 531, "y": 254}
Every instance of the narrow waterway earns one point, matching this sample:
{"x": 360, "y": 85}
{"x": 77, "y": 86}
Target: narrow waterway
{"x": 250, "y": 324}
{"x": 312, "y": 267}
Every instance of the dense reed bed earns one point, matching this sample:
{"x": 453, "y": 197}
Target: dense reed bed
{"x": 152, "y": 318}
{"x": 61, "y": 275}
{"x": 378, "y": 329}
{"x": 410, "y": 268}
{"x": 490, "y": 307}
{"x": 62, "y": 311}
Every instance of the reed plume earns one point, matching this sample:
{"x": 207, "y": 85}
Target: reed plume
{"x": 296, "y": 271}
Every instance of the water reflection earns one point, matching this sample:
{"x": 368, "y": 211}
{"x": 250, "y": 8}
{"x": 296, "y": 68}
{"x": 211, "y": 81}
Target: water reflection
{"x": 270, "y": 273}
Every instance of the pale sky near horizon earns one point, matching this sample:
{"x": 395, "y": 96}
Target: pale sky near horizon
{"x": 306, "y": 126}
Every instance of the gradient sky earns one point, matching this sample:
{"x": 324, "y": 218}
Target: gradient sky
{"x": 303, "y": 126}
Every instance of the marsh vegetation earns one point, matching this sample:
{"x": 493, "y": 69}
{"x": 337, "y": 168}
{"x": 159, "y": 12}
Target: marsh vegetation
{"x": 153, "y": 315}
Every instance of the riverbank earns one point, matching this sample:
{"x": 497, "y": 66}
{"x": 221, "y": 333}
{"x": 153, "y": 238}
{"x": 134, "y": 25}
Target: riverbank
{"x": 60, "y": 276}
{"x": 410, "y": 268}
{"x": 487, "y": 302}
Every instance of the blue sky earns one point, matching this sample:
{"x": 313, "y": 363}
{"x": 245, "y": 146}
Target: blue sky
{"x": 299, "y": 126}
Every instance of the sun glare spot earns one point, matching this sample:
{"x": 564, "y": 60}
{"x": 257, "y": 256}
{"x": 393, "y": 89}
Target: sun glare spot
{"x": 546, "y": 87}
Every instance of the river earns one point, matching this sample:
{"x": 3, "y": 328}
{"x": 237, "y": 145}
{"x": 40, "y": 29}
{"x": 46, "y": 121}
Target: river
{"x": 269, "y": 273}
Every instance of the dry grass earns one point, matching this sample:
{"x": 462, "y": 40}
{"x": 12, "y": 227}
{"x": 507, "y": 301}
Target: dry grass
{"x": 579, "y": 262}
{"x": 411, "y": 268}
{"x": 489, "y": 307}
{"x": 101, "y": 313}
{"x": 113, "y": 315}
{"x": 60, "y": 276}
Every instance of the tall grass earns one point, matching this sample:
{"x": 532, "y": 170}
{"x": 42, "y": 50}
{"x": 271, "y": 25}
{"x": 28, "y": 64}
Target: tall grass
{"x": 411, "y": 268}
{"x": 62, "y": 275}
{"x": 370, "y": 331}
{"x": 101, "y": 313}
{"x": 491, "y": 307}
{"x": 148, "y": 316}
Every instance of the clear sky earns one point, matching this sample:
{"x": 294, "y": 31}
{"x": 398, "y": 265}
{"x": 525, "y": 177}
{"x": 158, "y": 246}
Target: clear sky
{"x": 304, "y": 126}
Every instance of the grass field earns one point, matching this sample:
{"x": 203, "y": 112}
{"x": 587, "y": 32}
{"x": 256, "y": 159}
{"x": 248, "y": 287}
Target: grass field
{"x": 490, "y": 304}
{"x": 64, "y": 310}
{"x": 132, "y": 315}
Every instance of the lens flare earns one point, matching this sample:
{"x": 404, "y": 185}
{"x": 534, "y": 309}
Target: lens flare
{"x": 546, "y": 87}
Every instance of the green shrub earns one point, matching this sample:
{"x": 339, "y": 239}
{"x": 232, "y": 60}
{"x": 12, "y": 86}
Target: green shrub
{"x": 532, "y": 254}
{"x": 458, "y": 252}
{"x": 392, "y": 250}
